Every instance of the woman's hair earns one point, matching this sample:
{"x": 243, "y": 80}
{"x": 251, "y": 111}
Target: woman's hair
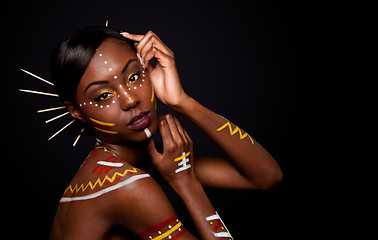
{"x": 71, "y": 58}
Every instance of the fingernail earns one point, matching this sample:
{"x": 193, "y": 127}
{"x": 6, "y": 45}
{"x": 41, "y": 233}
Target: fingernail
{"x": 124, "y": 33}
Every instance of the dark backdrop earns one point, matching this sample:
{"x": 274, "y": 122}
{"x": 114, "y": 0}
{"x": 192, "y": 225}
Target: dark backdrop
{"x": 243, "y": 59}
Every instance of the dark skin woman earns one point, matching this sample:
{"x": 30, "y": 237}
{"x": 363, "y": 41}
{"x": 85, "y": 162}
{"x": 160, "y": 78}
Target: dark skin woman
{"x": 114, "y": 194}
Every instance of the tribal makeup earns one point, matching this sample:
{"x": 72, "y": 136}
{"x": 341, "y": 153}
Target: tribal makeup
{"x": 115, "y": 94}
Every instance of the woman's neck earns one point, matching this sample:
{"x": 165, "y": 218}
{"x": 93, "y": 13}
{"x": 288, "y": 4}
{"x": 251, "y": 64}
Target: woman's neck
{"x": 133, "y": 153}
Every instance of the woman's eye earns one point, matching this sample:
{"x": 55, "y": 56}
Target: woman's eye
{"x": 133, "y": 77}
{"x": 104, "y": 96}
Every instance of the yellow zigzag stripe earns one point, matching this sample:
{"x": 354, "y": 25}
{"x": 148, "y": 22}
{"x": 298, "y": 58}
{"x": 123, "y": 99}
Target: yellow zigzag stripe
{"x": 99, "y": 182}
{"x": 237, "y": 129}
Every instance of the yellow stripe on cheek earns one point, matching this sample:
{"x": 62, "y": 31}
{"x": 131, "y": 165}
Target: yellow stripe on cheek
{"x": 101, "y": 123}
{"x": 106, "y": 131}
{"x": 153, "y": 94}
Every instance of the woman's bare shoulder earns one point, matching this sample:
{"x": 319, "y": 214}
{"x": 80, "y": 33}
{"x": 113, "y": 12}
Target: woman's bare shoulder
{"x": 122, "y": 195}
{"x": 101, "y": 172}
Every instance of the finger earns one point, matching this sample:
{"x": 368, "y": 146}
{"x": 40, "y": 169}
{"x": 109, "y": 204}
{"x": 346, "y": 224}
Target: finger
{"x": 151, "y": 41}
{"x": 168, "y": 142}
{"x": 182, "y": 131}
{"x": 174, "y": 130}
{"x": 134, "y": 37}
{"x": 145, "y": 39}
{"x": 160, "y": 56}
{"x": 155, "y": 155}
{"x": 189, "y": 139}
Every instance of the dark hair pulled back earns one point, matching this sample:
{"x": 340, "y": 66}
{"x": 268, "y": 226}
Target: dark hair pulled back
{"x": 71, "y": 58}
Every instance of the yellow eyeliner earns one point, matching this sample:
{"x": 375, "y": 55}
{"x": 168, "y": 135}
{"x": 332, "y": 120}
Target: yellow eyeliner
{"x": 128, "y": 78}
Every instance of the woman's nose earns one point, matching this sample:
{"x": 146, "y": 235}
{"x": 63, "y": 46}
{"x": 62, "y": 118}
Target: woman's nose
{"x": 128, "y": 100}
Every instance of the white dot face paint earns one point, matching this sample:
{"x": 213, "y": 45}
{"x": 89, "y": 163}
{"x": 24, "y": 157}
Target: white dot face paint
{"x": 126, "y": 86}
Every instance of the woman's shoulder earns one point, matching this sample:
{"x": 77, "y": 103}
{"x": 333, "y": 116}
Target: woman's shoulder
{"x": 101, "y": 172}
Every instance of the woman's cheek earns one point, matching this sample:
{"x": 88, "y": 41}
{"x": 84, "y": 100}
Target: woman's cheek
{"x": 103, "y": 120}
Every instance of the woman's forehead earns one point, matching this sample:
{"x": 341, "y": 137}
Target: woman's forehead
{"x": 114, "y": 49}
{"x": 111, "y": 55}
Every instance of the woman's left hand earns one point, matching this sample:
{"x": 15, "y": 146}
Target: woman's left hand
{"x": 176, "y": 163}
{"x": 164, "y": 75}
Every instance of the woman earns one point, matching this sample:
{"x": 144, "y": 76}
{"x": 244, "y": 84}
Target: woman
{"x": 106, "y": 81}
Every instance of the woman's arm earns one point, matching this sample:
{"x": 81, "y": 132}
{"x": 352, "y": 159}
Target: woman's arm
{"x": 143, "y": 208}
{"x": 248, "y": 165}
{"x": 176, "y": 166}
{"x": 176, "y": 162}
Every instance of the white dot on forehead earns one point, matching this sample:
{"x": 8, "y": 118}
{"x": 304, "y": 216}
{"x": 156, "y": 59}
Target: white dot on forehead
{"x": 110, "y": 69}
{"x": 106, "y": 62}
{"x": 100, "y": 54}
{"x": 115, "y": 77}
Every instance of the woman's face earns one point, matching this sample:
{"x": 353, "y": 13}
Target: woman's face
{"x": 115, "y": 95}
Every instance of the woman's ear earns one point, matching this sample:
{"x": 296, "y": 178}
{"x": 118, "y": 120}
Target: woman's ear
{"x": 74, "y": 110}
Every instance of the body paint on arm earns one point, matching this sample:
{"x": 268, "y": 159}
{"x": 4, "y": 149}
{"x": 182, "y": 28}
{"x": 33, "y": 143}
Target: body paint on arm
{"x": 171, "y": 228}
{"x": 236, "y": 130}
{"x": 183, "y": 162}
{"x": 220, "y": 230}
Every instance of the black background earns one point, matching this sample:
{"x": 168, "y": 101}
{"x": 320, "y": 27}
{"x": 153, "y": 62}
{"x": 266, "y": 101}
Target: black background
{"x": 245, "y": 60}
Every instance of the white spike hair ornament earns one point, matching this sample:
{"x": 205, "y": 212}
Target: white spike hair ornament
{"x": 53, "y": 108}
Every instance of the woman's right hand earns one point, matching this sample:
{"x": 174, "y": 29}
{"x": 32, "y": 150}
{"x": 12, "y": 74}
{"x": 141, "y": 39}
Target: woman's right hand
{"x": 176, "y": 163}
{"x": 164, "y": 75}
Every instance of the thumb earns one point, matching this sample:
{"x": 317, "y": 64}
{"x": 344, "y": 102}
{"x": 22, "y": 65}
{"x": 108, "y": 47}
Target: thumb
{"x": 155, "y": 155}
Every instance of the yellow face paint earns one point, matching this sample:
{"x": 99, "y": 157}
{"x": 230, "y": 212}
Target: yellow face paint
{"x": 153, "y": 95}
{"x": 101, "y": 123}
{"x": 103, "y": 126}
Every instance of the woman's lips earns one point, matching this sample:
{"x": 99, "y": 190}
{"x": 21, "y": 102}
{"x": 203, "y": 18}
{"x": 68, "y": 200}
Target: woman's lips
{"x": 140, "y": 121}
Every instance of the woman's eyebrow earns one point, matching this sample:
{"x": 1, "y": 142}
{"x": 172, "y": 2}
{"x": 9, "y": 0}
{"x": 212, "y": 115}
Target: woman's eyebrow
{"x": 105, "y": 82}
{"x": 94, "y": 83}
{"x": 127, "y": 65}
